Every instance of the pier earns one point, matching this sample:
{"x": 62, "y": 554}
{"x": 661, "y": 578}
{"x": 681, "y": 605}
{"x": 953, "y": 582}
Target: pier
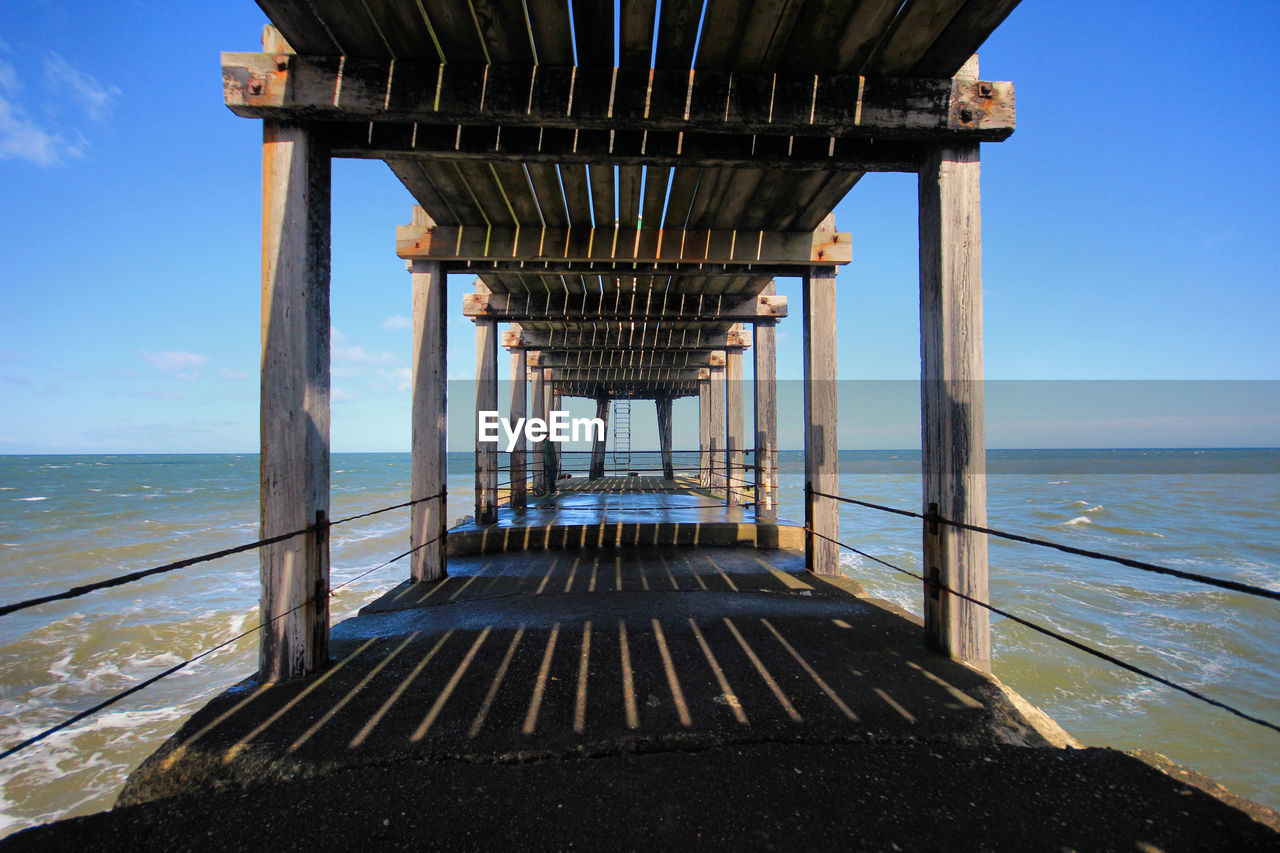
{"x": 643, "y": 654}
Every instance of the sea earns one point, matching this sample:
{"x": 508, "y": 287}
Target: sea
{"x": 69, "y": 520}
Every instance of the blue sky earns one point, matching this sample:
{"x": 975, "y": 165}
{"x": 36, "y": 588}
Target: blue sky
{"x": 1131, "y": 231}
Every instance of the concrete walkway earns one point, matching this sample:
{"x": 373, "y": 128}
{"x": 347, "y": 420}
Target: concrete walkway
{"x": 639, "y": 698}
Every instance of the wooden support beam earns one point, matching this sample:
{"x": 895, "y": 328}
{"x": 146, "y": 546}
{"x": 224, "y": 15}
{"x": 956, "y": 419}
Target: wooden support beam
{"x": 766, "y": 421}
{"x": 821, "y": 459}
{"x": 735, "y": 464}
{"x": 629, "y": 245}
{"x": 598, "y": 440}
{"x": 663, "y": 405}
{"x": 486, "y": 401}
{"x": 634, "y": 390}
{"x": 719, "y": 429}
{"x": 429, "y": 458}
{"x": 539, "y": 410}
{"x": 519, "y": 409}
{"x": 954, "y": 450}
{"x": 624, "y": 269}
{"x": 392, "y": 140}
{"x": 588, "y": 307}
{"x": 294, "y": 604}
{"x": 279, "y": 86}
{"x": 639, "y": 338}
{"x": 704, "y": 430}
{"x": 623, "y": 358}
{"x": 553, "y": 448}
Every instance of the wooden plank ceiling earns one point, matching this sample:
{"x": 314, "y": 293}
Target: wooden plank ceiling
{"x": 876, "y": 38}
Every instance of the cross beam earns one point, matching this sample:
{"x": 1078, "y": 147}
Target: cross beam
{"x": 643, "y": 338}
{"x": 627, "y": 245}
{"x": 630, "y": 390}
{"x": 406, "y": 140}
{"x": 607, "y": 359}
{"x": 637, "y": 306}
{"x": 282, "y": 86}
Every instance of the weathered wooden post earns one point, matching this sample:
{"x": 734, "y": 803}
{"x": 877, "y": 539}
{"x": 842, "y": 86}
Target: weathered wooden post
{"x": 735, "y": 470}
{"x": 663, "y": 405}
{"x": 538, "y": 391}
{"x": 550, "y": 452}
{"x": 766, "y": 416}
{"x": 951, "y": 401}
{"x": 821, "y": 459}
{"x": 704, "y": 427}
{"x": 429, "y": 460}
{"x": 598, "y": 440}
{"x": 294, "y": 462}
{"x": 719, "y": 425}
{"x": 519, "y": 409}
{"x": 486, "y": 401}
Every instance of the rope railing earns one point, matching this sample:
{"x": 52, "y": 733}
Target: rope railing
{"x": 119, "y": 580}
{"x": 934, "y": 517}
{"x": 1070, "y": 641}
{"x": 142, "y": 685}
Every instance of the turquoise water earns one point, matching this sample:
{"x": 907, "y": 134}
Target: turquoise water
{"x": 66, "y": 520}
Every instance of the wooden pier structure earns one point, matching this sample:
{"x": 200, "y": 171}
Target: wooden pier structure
{"x": 624, "y": 660}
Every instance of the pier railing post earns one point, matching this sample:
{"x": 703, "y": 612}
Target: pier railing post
{"x": 765, "y": 385}
{"x": 735, "y": 471}
{"x": 519, "y": 409}
{"x": 486, "y": 401}
{"x": 821, "y": 451}
{"x": 294, "y": 604}
{"x": 952, "y": 418}
{"x": 429, "y": 459}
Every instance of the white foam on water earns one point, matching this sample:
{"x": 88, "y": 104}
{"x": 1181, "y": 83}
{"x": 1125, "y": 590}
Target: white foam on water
{"x": 1078, "y": 520}
{"x": 28, "y": 499}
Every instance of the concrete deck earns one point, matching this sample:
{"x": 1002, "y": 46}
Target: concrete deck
{"x": 641, "y": 698}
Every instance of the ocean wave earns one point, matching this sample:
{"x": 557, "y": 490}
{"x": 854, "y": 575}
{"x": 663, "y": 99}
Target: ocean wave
{"x": 1078, "y": 520}
{"x": 28, "y": 499}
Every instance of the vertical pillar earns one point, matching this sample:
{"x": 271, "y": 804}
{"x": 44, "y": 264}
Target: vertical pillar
{"x": 428, "y": 447}
{"x": 538, "y": 391}
{"x": 821, "y": 462}
{"x": 735, "y": 470}
{"x": 550, "y": 452}
{"x": 951, "y": 401}
{"x": 704, "y": 428}
{"x": 294, "y": 463}
{"x": 519, "y": 409}
{"x": 598, "y": 441}
{"x": 486, "y": 401}
{"x": 718, "y": 423}
{"x": 663, "y": 405}
{"x": 766, "y": 418}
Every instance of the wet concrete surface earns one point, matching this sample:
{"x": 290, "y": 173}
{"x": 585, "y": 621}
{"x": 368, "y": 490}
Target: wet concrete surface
{"x": 633, "y": 698}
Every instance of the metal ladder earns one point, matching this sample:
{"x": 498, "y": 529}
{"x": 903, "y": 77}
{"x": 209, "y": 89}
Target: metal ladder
{"x": 621, "y": 436}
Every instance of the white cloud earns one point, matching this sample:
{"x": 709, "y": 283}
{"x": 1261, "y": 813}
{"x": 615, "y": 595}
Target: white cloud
{"x": 236, "y": 375}
{"x": 397, "y": 322}
{"x": 95, "y": 100}
{"x": 184, "y": 365}
{"x": 404, "y": 378}
{"x": 23, "y": 138}
{"x": 337, "y": 395}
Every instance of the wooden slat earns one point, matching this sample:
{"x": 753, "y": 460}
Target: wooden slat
{"x": 450, "y": 183}
{"x": 551, "y": 39}
{"x": 519, "y": 193}
{"x": 354, "y": 30}
{"x": 684, "y": 186}
{"x": 577, "y": 195}
{"x": 603, "y": 200}
{"x": 765, "y": 37}
{"x": 635, "y": 33}
{"x": 727, "y": 21}
{"x": 656, "y": 179}
{"x": 824, "y": 201}
{"x": 300, "y": 26}
{"x": 415, "y": 179}
{"x": 520, "y": 308}
{"x": 863, "y": 33}
{"x": 593, "y": 33}
{"x": 451, "y": 28}
{"x": 643, "y": 339}
{"x": 504, "y": 32}
{"x": 404, "y": 30}
{"x": 913, "y": 32}
{"x": 487, "y": 192}
{"x": 963, "y": 36}
{"x": 629, "y": 179}
{"x": 677, "y": 33}
{"x": 550, "y": 196}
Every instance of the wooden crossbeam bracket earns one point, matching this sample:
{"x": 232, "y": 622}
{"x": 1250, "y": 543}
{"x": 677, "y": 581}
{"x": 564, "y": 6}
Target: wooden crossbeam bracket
{"x": 640, "y": 339}
{"x": 518, "y": 307}
{"x": 282, "y": 86}
{"x": 626, "y": 245}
